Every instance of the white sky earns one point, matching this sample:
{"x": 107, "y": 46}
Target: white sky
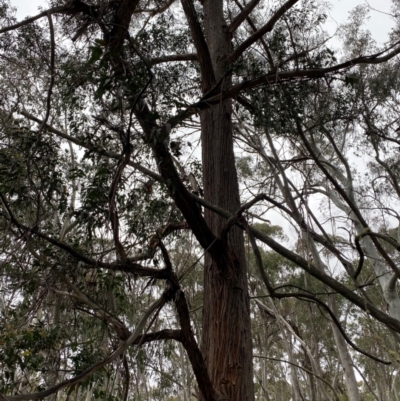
{"x": 379, "y": 23}
{"x": 27, "y": 8}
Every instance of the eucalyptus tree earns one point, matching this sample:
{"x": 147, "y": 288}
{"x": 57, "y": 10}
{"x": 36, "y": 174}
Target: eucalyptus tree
{"x": 103, "y": 107}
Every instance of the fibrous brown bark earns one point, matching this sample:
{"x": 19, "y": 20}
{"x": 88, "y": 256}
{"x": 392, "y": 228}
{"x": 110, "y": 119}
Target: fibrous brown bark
{"x": 226, "y": 334}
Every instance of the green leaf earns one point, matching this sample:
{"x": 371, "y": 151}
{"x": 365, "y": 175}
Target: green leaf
{"x": 97, "y": 51}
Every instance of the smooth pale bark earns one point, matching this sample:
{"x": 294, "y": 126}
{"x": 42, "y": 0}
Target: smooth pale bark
{"x": 226, "y": 333}
{"x": 288, "y": 344}
{"x": 287, "y": 333}
{"x": 89, "y": 393}
{"x": 287, "y": 340}
{"x": 346, "y": 361}
{"x": 396, "y": 396}
{"x": 344, "y": 355}
{"x": 345, "y": 358}
{"x": 186, "y": 388}
{"x": 383, "y": 274}
{"x": 386, "y": 278}
{"x": 318, "y": 392}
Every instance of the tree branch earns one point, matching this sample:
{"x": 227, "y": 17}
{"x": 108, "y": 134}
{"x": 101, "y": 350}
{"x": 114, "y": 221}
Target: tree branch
{"x": 310, "y": 268}
{"x": 100, "y": 312}
{"x": 158, "y": 336}
{"x": 311, "y": 298}
{"x": 348, "y": 200}
{"x": 245, "y": 12}
{"x": 129, "y": 267}
{"x": 112, "y": 205}
{"x": 263, "y": 30}
{"x": 263, "y": 43}
{"x": 71, "y": 7}
{"x": 361, "y": 261}
{"x": 207, "y": 72}
{"x": 90, "y": 148}
{"x": 275, "y": 78}
{"x": 122, "y": 19}
{"x": 156, "y": 238}
{"x": 52, "y": 72}
{"x": 189, "y": 342}
{"x": 174, "y": 57}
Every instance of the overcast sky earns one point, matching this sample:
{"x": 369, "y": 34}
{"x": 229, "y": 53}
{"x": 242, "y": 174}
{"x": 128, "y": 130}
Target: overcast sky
{"x": 379, "y": 23}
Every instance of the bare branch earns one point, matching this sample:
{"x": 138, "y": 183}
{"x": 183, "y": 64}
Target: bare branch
{"x": 308, "y": 297}
{"x": 159, "y": 336}
{"x": 242, "y": 15}
{"x": 189, "y": 342}
{"x": 94, "y": 149}
{"x": 263, "y": 30}
{"x": 348, "y": 200}
{"x": 207, "y": 72}
{"x": 128, "y": 267}
{"x": 174, "y": 57}
{"x": 112, "y": 206}
{"x": 127, "y": 378}
{"x": 70, "y": 8}
{"x": 259, "y": 262}
{"x": 279, "y": 77}
{"x": 275, "y": 78}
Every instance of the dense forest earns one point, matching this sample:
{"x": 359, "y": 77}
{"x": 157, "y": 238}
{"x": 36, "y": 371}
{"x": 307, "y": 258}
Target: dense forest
{"x": 199, "y": 200}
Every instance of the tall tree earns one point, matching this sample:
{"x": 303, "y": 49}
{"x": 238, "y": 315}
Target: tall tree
{"x": 102, "y": 101}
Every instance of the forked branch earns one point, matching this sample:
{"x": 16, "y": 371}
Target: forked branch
{"x": 245, "y": 12}
{"x": 263, "y": 30}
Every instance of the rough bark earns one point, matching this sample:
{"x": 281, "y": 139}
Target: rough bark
{"x": 226, "y": 335}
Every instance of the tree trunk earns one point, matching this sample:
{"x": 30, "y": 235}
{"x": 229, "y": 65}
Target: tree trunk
{"x": 345, "y": 358}
{"x": 353, "y": 392}
{"x": 226, "y": 334}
